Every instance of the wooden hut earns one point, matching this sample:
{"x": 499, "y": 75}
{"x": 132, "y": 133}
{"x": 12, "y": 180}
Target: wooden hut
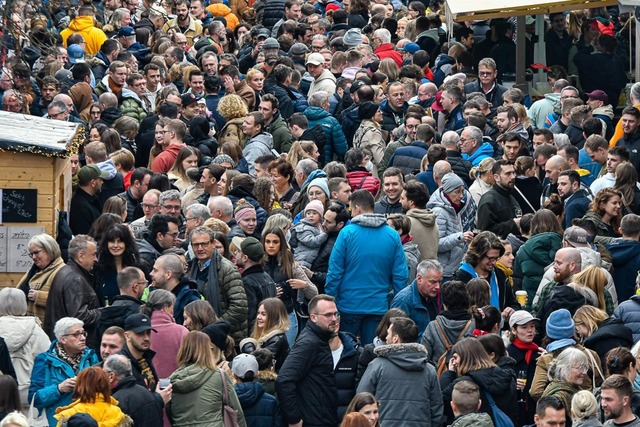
{"x": 35, "y": 184}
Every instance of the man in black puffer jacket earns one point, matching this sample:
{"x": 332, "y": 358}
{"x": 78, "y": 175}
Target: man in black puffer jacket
{"x": 306, "y": 384}
{"x": 346, "y": 369}
{"x": 143, "y": 406}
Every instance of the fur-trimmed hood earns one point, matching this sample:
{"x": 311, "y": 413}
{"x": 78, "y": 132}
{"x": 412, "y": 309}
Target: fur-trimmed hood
{"x": 407, "y": 356}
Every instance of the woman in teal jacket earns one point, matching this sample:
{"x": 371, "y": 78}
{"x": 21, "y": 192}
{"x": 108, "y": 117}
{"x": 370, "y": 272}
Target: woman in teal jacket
{"x": 538, "y": 252}
{"x": 55, "y": 370}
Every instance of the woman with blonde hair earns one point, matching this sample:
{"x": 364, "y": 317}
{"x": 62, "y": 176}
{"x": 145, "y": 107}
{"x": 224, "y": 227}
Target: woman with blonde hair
{"x": 595, "y": 279}
{"x": 584, "y": 410}
{"x": 389, "y": 67}
{"x": 272, "y": 324}
{"x": 482, "y": 179}
{"x": 233, "y": 109}
{"x": 599, "y": 332}
{"x": 471, "y": 362}
{"x": 302, "y": 150}
{"x": 197, "y": 383}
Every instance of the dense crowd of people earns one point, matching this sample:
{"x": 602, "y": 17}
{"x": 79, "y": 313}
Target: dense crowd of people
{"x": 326, "y": 213}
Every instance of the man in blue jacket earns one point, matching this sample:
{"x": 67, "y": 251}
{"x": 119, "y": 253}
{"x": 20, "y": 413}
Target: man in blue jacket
{"x": 625, "y": 254}
{"x": 361, "y": 275}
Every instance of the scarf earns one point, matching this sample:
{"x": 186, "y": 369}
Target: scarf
{"x": 493, "y": 282}
{"x": 74, "y": 362}
{"x": 406, "y": 238}
{"x": 507, "y": 272}
{"x": 529, "y": 348}
{"x": 456, "y": 206}
{"x": 556, "y": 345}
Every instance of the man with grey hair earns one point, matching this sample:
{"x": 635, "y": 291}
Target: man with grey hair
{"x": 57, "y": 110}
{"x": 143, "y": 406}
{"x": 317, "y": 114}
{"x": 168, "y": 274}
{"x": 305, "y": 172}
{"x": 473, "y": 147}
{"x": 195, "y": 216}
{"x": 461, "y": 167}
{"x": 53, "y": 378}
{"x": 421, "y": 299}
{"x": 383, "y": 48}
{"x": 170, "y": 203}
{"x": 221, "y": 207}
{"x": 72, "y": 291}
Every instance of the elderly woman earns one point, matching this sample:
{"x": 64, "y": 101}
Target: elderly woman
{"x": 53, "y": 379}
{"x": 23, "y": 336}
{"x": 567, "y": 373}
{"x": 47, "y": 261}
{"x": 455, "y": 214}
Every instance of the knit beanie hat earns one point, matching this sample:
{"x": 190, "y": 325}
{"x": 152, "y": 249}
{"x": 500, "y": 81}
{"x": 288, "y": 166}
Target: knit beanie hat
{"x": 217, "y": 332}
{"x": 81, "y": 419}
{"x": 560, "y": 325}
{"x": 367, "y": 110}
{"x": 243, "y": 210}
{"x": 353, "y": 37}
{"x": 322, "y": 184}
{"x": 450, "y": 182}
{"x": 315, "y": 205}
{"x": 223, "y": 158}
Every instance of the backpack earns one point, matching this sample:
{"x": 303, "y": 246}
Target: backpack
{"x": 500, "y": 419}
{"x": 317, "y": 135}
{"x": 442, "y": 361}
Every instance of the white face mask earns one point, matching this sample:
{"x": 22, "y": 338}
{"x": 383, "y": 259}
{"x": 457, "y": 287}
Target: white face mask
{"x": 369, "y": 166}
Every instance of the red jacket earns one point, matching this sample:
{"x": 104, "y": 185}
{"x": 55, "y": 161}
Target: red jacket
{"x": 363, "y": 180}
{"x": 386, "y": 51}
{"x": 165, "y": 160}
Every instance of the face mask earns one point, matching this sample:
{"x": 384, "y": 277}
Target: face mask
{"x": 369, "y": 166}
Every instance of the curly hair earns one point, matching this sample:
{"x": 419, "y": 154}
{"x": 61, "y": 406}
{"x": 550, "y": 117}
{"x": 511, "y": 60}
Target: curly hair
{"x": 480, "y": 245}
{"x": 262, "y": 192}
{"x": 232, "y": 106}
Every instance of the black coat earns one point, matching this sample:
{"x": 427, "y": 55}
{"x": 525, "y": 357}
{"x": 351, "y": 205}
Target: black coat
{"x": 258, "y": 286}
{"x": 460, "y": 166}
{"x": 496, "y": 381}
{"x": 306, "y": 384}
{"x": 278, "y": 345}
{"x": 632, "y": 143}
{"x": 531, "y": 189}
{"x": 610, "y": 334}
{"x": 496, "y": 211}
{"x": 346, "y": 371}
{"x": 137, "y": 369}
{"x": 6, "y": 366}
{"x": 320, "y": 265}
{"x": 83, "y": 212}
{"x": 285, "y": 97}
{"x": 143, "y": 406}
{"x": 527, "y": 409}
{"x": 111, "y": 187}
{"x": 115, "y": 314}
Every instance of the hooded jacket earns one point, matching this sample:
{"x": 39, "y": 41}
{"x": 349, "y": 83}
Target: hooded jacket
{"x": 25, "y": 340}
{"x": 260, "y": 408}
{"x": 409, "y": 159}
{"x": 424, "y": 230}
{"x": 132, "y": 105}
{"x": 540, "y": 109}
{"x": 496, "y": 381}
{"x": 390, "y": 151}
{"x": 629, "y": 314}
{"x": 83, "y": 25}
{"x": 369, "y": 138}
{"x": 282, "y": 138}
{"x": 412, "y": 253}
{"x": 533, "y": 257}
{"x": 186, "y": 291}
{"x": 386, "y": 50}
{"x": 325, "y": 82}
{"x": 406, "y": 386}
{"x": 336, "y": 143}
{"x": 256, "y": 146}
{"x": 391, "y": 119}
{"x": 429, "y": 40}
{"x": 308, "y": 238}
{"x": 385, "y": 208}
{"x": 483, "y": 151}
{"x": 625, "y": 255}
{"x": 451, "y": 228}
{"x": 454, "y": 324}
{"x": 362, "y": 275}
{"x": 197, "y": 397}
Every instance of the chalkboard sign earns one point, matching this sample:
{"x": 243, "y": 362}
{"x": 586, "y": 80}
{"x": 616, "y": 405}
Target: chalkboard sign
{"x": 18, "y": 205}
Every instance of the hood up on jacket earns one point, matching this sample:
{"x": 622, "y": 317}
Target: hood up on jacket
{"x": 407, "y": 356}
{"x": 554, "y": 99}
{"x": 370, "y": 220}
{"x": 81, "y": 23}
{"x": 108, "y": 166}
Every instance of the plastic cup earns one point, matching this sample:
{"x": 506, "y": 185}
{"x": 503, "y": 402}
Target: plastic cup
{"x": 521, "y": 296}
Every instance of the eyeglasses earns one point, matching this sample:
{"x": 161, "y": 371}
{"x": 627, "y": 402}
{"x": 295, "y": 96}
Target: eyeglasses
{"x": 581, "y": 368}
{"x": 187, "y": 219}
{"x": 166, "y": 131}
{"x": 492, "y": 258}
{"x": 171, "y": 207}
{"x": 464, "y": 140}
{"x": 174, "y": 235}
{"x": 35, "y": 253}
{"x": 200, "y": 245}
{"x": 76, "y": 334}
{"x": 142, "y": 282}
{"x": 145, "y": 206}
{"x": 329, "y": 315}
{"x": 485, "y": 73}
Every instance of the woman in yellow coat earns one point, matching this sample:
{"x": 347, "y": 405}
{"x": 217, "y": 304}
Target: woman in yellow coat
{"x": 92, "y": 396}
